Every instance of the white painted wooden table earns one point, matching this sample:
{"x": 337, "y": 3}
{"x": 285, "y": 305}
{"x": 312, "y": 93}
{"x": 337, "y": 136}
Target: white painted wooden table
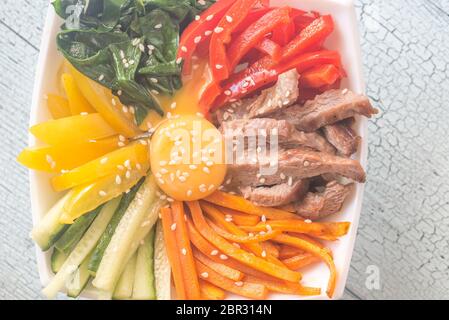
{"x": 405, "y": 219}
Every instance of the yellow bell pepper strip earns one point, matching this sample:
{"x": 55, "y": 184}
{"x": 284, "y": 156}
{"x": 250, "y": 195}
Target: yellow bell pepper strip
{"x": 74, "y": 129}
{"x": 58, "y": 106}
{"x": 106, "y": 104}
{"x": 87, "y": 197}
{"x": 116, "y": 162}
{"x": 77, "y": 103}
{"x": 66, "y": 156}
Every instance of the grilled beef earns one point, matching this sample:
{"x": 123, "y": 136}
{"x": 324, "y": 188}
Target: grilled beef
{"x": 292, "y": 164}
{"x": 327, "y": 108}
{"x": 316, "y": 205}
{"x": 284, "y": 93}
{"x": 277, "y": 195}
{"x": 342, "y": 137}
{"x": 288, "y": 135}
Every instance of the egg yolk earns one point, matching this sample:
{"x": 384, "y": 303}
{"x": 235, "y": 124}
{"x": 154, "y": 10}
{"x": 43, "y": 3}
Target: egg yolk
{"x": 187, "y": 157}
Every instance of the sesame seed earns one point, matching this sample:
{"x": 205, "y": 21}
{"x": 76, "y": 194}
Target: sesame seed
{"x": 206, "y": 170}
{"x": 214, "y": 252}
{"x": 125, "y": 109}
{"x": 173, "y": 105}
{"x": 229, "y": 19}
{"x": 173, "y": 227}
{"x": 154, "y": 80}
{"x": 189, "y": 193}
{"x": 207, "y": 33}
{"x": 179, "y": 60}
{"x": 223, "y": 257}
{"x": 158, "y": 26}
{"x": 141, "y": 47}
{"x": 209, "y": 17}
{"x": 182, "y": 179}
{"x": 269, "y": 228}
{"x": 118, "y": 180}
{"x": 218, "y": 29}
{"x": 102, "y": 193}
{"x": 202, "y": 188}
{"x": 135, "y": 41}
{"x": 205, "y": 275}
{"x": 120, "y": 144}
{"x": 197, "y": 39}
{"x": 262, "y": 180}
{"x": 202, "y": 2}
{"x": 161, "y": 181}
{"x": 163, "y": 171}
{"x": 155, "y": 92}
{"x": 104, "y": 160}
{"x": 308, "y": 221}
{"x": 184, "y": 251}
{"x": 84, "y": 113}
{"x": 197, "y": 17}
{"x": 119, "y": 92}
{"x": 290, "y": 181}
{"x": 227, "y": 92}
{"x": 344, "y": 91}
{"x": 128, "y": 174}
{"x": 192, "y": 167}
{"x": 183, "y": 49}
{"x": 306, "y": 163}
{"x": 218, "y": 66}
{"x": 120, "y": 167}
{"x": 127, "y": 163}
{"x": 282, "y": 176}
{"x": 211, "y": 187}
{"x": 263, "y": 218}
{"x": 101, "y": 77}
{"x": 121, "y": 138}
{"x": 122, "y": 54}
{"x": 238, "y": 283}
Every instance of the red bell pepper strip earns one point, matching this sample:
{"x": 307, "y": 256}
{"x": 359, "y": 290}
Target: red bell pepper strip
{"x": 320, "y": 76}
{"x": 255, "y": 33}
{"x": 270, "y": 48}
{"x": 222, "y": 36}
{"x": 212, "y": 91}
{"x": 252, "y": 17}
{"x": 284, "y": 34}
{"x": 265, "y": 71}
{"x": 199, "y": 30}
{"x": 314, "y": 33}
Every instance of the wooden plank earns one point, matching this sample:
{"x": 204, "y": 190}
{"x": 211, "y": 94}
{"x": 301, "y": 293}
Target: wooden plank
{"x": 404, "y": 223}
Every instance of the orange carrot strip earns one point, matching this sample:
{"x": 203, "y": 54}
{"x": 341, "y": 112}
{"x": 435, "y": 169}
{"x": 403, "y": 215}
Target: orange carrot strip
{"x": 186, "y": 256}
{"x": 317, "y": 251}
{"x": 211, "y": 292}
{"x": 241, "y": 204}
{"x": 285, "y": 287}
{"x": 240, "y": 218}
{"x": 254, "y": 247}
{"x": 213, "y": 253}
{"x": 328, "y": 229}
{"x": 245, "y": 239}
{"x": 270, "y": 248}
{"x": 240, "y": 255}
{"x": 287, "y": 252}
{"x": 300, "y": 261}
{"x": 221, "y": 268}
{"x": 173, "y": 253}
{"x": 245, "y": 289}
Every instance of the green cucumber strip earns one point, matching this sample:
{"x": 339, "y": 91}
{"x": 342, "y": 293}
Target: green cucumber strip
{"x": 143, "y": 288}
{"x": 98, "y": 253}
{"x": 82, "y": 249}
{"x": 116, "y": 254}
{"x": 124, "y": 288}
{"x": 49, "y": 229}
{"x": 57, "y": 260}
{"x": 79, "y": 280}
{"x": 74, "y": 233}
{"x": 162, "y": 271}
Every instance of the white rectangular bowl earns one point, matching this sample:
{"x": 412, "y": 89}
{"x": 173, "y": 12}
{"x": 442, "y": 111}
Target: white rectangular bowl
{"x": 345, "y": 39}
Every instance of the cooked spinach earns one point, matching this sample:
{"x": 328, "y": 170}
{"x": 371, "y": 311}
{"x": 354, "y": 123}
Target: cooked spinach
{"x": 127, "y": 45}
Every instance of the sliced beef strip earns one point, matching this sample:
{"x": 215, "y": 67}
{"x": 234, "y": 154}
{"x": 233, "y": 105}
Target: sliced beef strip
{"x": 316, "y": 205}
{"x": 299, "y": 163}
{"x": 277, "y": 195}
{"x": 288, "y": 135}
{"x": 342, "y": 137}
{"x": 327, "y": 108}
{"x": 283, "y": 94}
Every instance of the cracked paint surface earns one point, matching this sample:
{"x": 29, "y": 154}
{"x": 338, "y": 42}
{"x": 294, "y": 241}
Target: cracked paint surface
{"x": 404, "y": 225}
